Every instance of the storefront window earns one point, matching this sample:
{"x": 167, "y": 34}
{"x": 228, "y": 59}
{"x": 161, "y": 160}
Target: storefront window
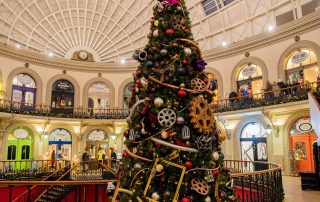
{"x": 97, "y": 141}
{"x": 23, "y": 91}
{"x": 60, "y": 143}
{"x": 302, "y": 137}
{"x": 99, "y": 96}
{"x": 250, "y": 80}
{"x": 127, "y": 94}
{"x": 301, "y": 67}
{"x": 62, "y": 95}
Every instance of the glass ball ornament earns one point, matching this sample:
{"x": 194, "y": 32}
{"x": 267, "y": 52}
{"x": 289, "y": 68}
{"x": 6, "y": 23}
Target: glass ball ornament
{"x": 149, "y": 63}
{"x": 215, "y": 156}
{"x": 155, "y": 196}
{"x": 155, "y": 33}
{"x": 180, "y": 120}
{"x": 207, "y": 199}
{"x": 181, "y": 71}
{"x": 221, "y": 155}
{"x": 187, "y": 51}
{"x": 159, "y": 168}
{"x": 158, "y": 102}
{"x": 156, "y": 23}
{"x": 137, "y": 167}
{"x": 182, "y": 93}
{"x": 169, "y": 32}
{"x": 182, "y": 85}
{"x": 163, "y": 52}
{"x": 164, "y": 135}
{"x": 185, "y": 199}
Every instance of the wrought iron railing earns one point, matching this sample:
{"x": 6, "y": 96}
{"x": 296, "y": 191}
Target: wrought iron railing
{"x": 8, "y": 106}
{"x": 266, "y": 98}
{"x": 29, "y": 169}
{"x": 256, "y": 181}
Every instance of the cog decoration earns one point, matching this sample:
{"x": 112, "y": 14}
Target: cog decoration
{"x": 201, "y": 115}
{"x": 167, "y": 117}
{"x": 178, "y": 22}
{"x": 200, "y": 186}
{"x": 198, "y": 84}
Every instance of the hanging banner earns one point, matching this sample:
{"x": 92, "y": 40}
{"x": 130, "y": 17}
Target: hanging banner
{"x": 299, "y": 57}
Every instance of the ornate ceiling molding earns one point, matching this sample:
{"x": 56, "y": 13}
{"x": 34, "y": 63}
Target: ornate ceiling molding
{"x": 289, "y": 30}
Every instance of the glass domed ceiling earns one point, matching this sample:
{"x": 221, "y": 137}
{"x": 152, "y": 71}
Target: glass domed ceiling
{"x": 112, "y": 29}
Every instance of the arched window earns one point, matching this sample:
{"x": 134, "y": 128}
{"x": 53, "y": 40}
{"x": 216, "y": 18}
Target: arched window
{"x": 99, "y": 96}
{"x": 97, "y": 141}
{"x": 254, "y": 143}
{"x": 62, "y": 95}
{"x": 301, "y": 67}
{"x": 60, "y": 143}
{"x": 24, "y": 90}
{"x": 249, "y": 80}
{"x": 127, "y": 94}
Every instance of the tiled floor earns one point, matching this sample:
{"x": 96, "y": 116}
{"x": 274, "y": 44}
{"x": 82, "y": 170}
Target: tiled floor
{"x": 293, "y": 192}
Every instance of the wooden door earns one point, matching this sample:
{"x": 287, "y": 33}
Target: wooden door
{"x": 301, "y": 147}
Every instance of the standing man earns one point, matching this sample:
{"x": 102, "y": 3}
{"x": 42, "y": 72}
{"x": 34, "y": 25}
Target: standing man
{"x": 113, "y": 158}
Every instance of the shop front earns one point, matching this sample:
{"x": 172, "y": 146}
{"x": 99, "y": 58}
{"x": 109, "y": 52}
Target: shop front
{"x": 250, "y": 81}
{"x": 62, "y": 98}
{"x": 19, "y": 147}
{"x": 23, "y": 91}
{"x": 60, "y": 145}
{"x": 98, "y": 97}
{"x": 97, "y": 141}
{"x": 302, "y": 137}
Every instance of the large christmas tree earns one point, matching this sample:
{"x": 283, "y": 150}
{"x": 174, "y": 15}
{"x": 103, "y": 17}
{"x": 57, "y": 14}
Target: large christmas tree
{"x": 173, "y": 149}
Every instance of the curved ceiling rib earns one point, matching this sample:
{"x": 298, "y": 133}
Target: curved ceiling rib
{"x": 114, "y": 28}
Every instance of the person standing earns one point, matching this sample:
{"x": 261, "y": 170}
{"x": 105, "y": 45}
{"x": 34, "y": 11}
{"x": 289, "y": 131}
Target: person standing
{"x": 53, "y": 158}
{"x": 113, "y": 158}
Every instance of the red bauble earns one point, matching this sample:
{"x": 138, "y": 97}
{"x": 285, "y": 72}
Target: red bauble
{"x": 184, "y": 62}
{"x": 185, "y": 199}
{"x": 169, "y": 32}
{"x": 139, "y": 72}
{"x": 216, "y": 173}
{"x": 154, "y": 49}
{"x": 186, "y": 30}
{"x": 153, "y": 89}
{"x": 188, "y": 164}
{"x": 124, "y": 154}
{"x": 138, "y": 81}
{"x": 182, "y": 93}
{"x": 205, "y": 80}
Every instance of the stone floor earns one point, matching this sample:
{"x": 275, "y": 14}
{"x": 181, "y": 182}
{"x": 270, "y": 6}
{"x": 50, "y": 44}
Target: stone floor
{"x": 293, "y": 192}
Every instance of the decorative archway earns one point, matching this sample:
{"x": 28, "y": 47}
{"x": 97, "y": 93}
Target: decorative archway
{"x": 63, "y": 77}
{"x": 85, "y": 92}
{"x": 121, "y": 91}
{"x": 295, "y": 46}
{"x": 249, "y": 60}
{"x": 60, "y": 144}
{"x": 30, "y": 72}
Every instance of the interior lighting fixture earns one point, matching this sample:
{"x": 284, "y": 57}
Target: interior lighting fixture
{"x": 224, "y": 43}
{"x": 18, "y": 46}
{"x": 50, "y": 54}
{"x": 270, "y": 28}
{"x": 123, "y": 61}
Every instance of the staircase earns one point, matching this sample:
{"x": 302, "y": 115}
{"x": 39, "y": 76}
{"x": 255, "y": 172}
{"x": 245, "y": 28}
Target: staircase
{"x": 55, "y": 193}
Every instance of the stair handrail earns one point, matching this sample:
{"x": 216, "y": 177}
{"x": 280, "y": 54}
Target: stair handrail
{"x": 113, "y": 171}
{"x": 41, "y": 180}
{"x": 62, "y": 176}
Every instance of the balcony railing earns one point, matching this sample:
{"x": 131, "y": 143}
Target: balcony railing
{"x": 8, "y": 106}
{"x": 267, "y": 98}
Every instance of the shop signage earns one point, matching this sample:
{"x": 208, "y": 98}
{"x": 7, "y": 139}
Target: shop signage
{"x": 24, "y": 79}
{"x": 299, "y": 57}
{"x": 249, "y": 70}
{"x": 20, "y": 133}
{"x": 99, "y": 88}
{"x": 63, "y": 85}
{"x": 96, "y": 135}
{"x": 60, "y": 134}
{"x": 304, "y": 125}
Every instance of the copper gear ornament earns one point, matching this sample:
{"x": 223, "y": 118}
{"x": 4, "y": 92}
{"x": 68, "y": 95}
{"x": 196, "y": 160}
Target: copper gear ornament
{"x": 201, "y": 115}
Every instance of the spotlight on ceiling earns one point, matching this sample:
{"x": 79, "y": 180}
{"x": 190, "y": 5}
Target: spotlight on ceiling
{"x": 18, "y": 45}
{"x": 50, "y": 54}
{"x": 122, "y": 61}
{"x": 224, "y": 43}
{"x": 270, "y": 28}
